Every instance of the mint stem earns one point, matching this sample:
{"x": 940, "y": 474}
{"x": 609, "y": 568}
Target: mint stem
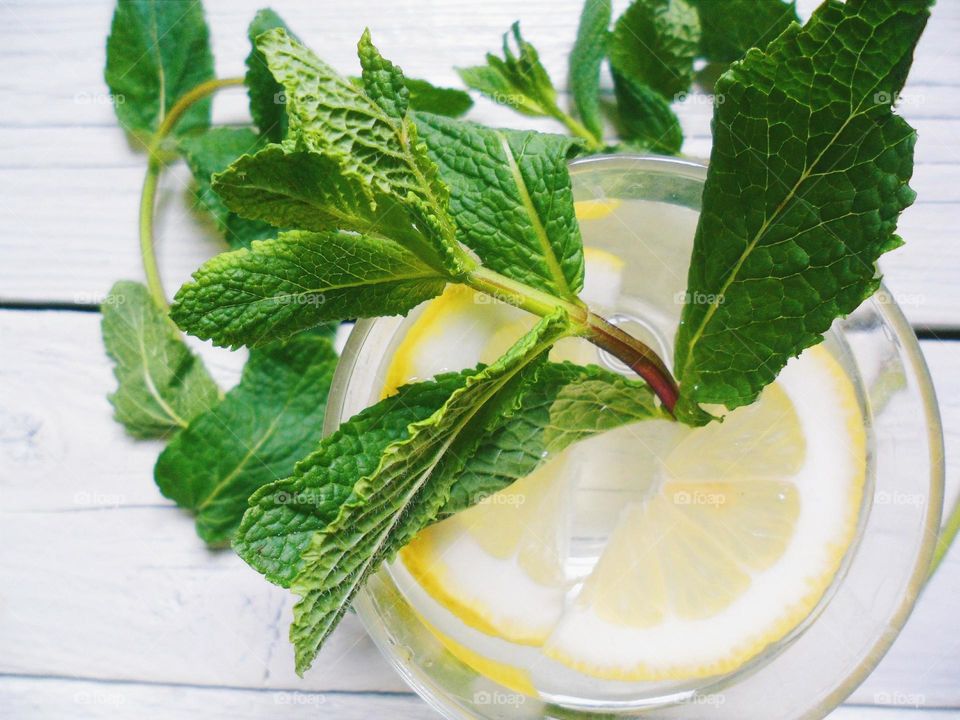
{"x": 148, "y": 196}
{"x": 638, "y": 357}
{"x": 594, "y": 144}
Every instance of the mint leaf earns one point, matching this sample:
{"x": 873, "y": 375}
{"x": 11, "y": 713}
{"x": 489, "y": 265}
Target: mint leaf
{"x": 157, "y": 51}
{"x": 330, "y": 116}
{"x": 307, "y": 190}
{"x": 645, "y": 117}
{"x": 564, "y": 404}
{"x": 285, "y": 514}
{"x": 280, "y": 287}
{"x": 383, "y": 81}
{"x": 730, "y": 28}
{"x": 510, "y": 195}
{"x": 586, "y": 57}
{"x": 253, "y": 437}
{"x": 266, "y": 94}
{"x": 212, "y": 152}
{"x": 807, "y": 179}
{"x": 389, "y": 506}
{"x": 162, "y": 385}
{"x": 655, "y": 42}
{"x": 427, "y": 97}
{"x": 518, "y": 79}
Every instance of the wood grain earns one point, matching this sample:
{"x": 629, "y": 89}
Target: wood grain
{"x": 57, "y": 698}
{"x": 109, "y": 604}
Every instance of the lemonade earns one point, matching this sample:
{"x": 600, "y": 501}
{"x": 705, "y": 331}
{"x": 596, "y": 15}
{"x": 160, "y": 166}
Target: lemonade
{"x": 655, "y": 557}
{"x": 778, "y": 571}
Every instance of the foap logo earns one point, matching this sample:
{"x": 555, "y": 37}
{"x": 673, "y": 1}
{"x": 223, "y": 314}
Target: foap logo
{"x": 699, "y": 98}
{"x": 898, "y": 698}
{"x": 509, "y": 99}
{"x": 884, "y": 97}
{"x": 514, "y": 499}
{"x": 99, "y": 697}
{"x": 298, "y": 498}
{"x": 707, "y": 699}
{"x": 697, "y": 298}
{"x": 308, "y": 298}
{"x": 87, "y": 98}
{"x": 492, "y": 299}
{"x": 885, "y": 497}
{"x": 698, "y": 497}
{"x": 93, "y": 498}
{"x": 901, "y": 299}
{"x": 298, "y": 698}
{"x": 495, "y": 697}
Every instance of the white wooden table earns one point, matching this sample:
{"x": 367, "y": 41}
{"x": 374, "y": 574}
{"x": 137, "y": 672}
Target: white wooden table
{"x": 109, "y": 604}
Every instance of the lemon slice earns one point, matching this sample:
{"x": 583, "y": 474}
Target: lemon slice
{"x": 748, "y": 528}
{"x": 516, "y": 540}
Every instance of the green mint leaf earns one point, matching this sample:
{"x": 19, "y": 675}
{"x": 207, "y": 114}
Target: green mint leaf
{"x": 587, "y": 55}
{"x": 510, "y": 194}
{"x": 405, "y": 492}
{"x": 564, "y": 404}
{"x": 162, "y": 386}
{"x": 330, "y": 116}
{"x": 266, "y": 94}
{"x": 157, "y": 51}
{"x": 279, "y": 287}
{"x": 645, "y": 117}
{"x": 253, "y": 437}
{"x": 807, "y": 179}
{"x": 285, "y": 514}
{"x": 383, "y": 81}
{"x": 518, "y": 79}
{"x": 212, "y": 152}
{"x": 426, "y": 97}
{"x": 655, "y": 42}
{"x": 731, "y": 27}
{"x": 306, "y": 190}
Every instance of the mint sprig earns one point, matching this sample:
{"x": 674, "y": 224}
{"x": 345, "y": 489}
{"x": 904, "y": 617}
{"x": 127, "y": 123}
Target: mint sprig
{"x": 807, "y": 179}
{"x": 409, "y": 486}
{"x": 361, "y": 200}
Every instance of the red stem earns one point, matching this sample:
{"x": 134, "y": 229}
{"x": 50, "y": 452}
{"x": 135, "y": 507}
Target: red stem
{"x": 637, "y": 356}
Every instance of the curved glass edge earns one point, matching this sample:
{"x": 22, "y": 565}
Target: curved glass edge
{"x": 893, "y": 315}
{"x": 888, "y": 310}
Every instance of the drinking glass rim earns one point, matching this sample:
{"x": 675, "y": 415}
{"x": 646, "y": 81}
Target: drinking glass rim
{"x": 892, "y": 315}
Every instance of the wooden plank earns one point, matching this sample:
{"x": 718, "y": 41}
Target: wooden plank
{"x": 54, "y": 699}
{"x": 69, "y": 181}
{"x": 101, "y": 577}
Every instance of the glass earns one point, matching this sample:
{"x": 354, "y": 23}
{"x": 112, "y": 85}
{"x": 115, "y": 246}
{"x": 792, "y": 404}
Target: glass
{"x": 815, "y": 666}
